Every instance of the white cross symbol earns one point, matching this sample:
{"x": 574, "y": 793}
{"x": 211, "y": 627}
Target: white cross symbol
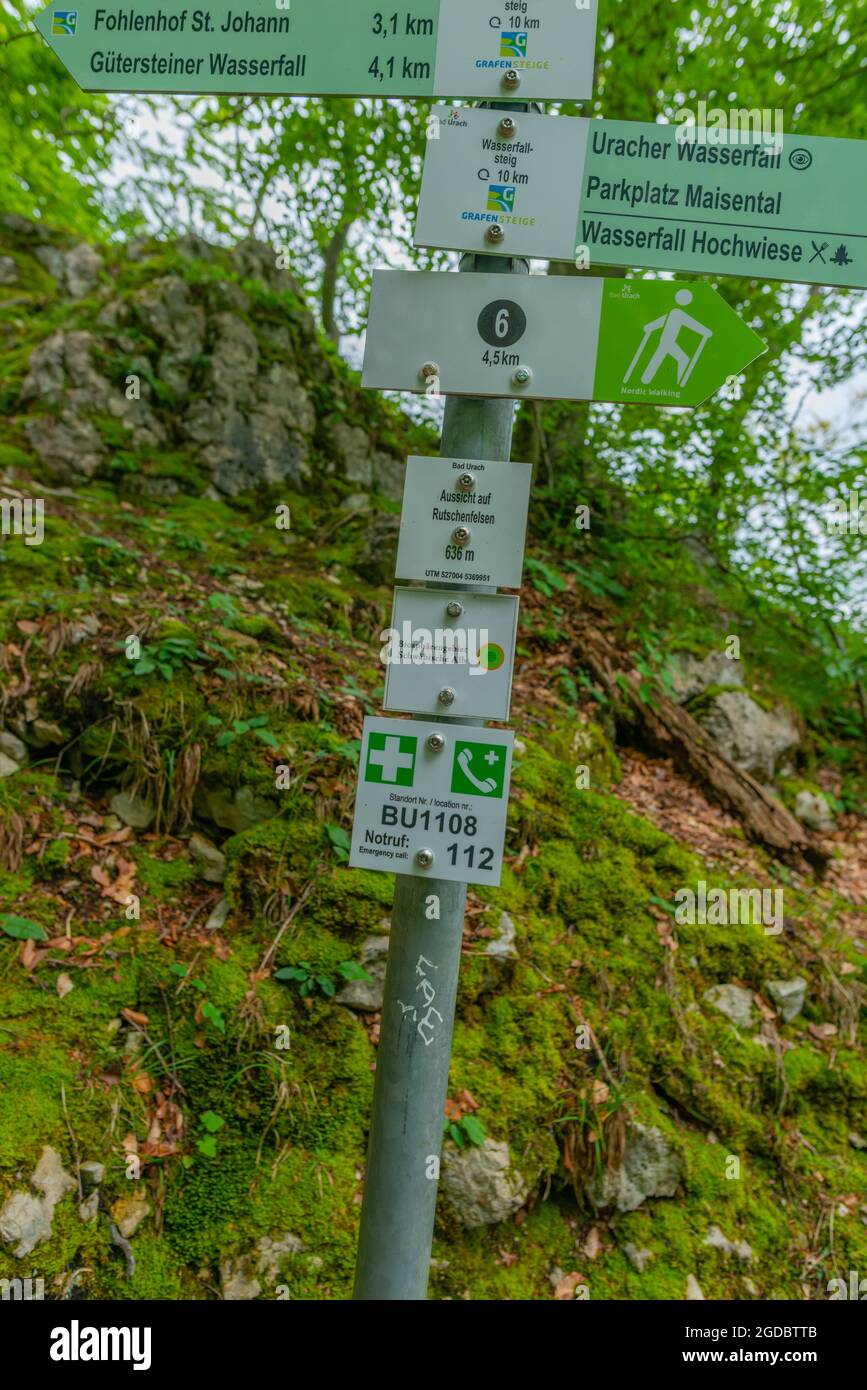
{"x": 491, "y": 758}
{"x": 390, "y": 759}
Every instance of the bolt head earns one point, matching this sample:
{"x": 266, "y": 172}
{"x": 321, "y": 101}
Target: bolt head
{"x": 447, "y": 695}
{"x": 512, "y": 79}
{"x": 436, "y": 742}
{"x": 495, "y": 234}
{"x": 507, "y": 127}
{"x": 454, "y": 609}
{"x": 461, "y": 535}
{"x": 466, "y": 482}
{"x": 429, "y": 371}
{"x": 522, "y": 376}
{"x": 424, "y": 858}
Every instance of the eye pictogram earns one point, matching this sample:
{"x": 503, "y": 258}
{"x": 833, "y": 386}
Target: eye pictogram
{"x": 800, "y": 159}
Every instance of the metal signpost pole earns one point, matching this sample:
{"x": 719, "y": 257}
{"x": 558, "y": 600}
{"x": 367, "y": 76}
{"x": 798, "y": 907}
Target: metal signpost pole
{"x": 400, "y": 1189}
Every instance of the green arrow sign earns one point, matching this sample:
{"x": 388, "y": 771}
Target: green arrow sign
{"x": 665, "y": 197}
{"x": 329, "y": 47}
{"x": 656, "y": 342}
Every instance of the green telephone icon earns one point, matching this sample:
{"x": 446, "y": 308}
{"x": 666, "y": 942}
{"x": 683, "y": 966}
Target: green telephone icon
{"x": 479, "y": 769}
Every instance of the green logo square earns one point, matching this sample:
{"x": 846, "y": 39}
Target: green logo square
{"x": 391, "y": 759}
{"x": 479, "y": 769}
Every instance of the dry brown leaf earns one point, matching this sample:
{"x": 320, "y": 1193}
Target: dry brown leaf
{"x": 141, "y": 1020}
{"x": 567, "y": 1285}
{"x": 143, "y": 1083}
{"x": 64, "y": 985}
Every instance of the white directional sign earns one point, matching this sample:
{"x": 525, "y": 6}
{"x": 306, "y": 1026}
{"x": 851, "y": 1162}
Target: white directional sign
{"x": 540, "y": 49}
{"x": 666, "y": 197}
{"x": 451, "y": 653}
{"x": 656, "y": 342}
{"x": 464, "y": 522}
{"x": 432, "y": 800}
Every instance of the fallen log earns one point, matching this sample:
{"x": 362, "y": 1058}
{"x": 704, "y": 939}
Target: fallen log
{"x": 673, "y": 733}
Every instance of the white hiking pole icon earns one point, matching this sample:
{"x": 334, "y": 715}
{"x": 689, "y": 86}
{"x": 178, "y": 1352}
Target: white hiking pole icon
{"x": 670, "y": 325}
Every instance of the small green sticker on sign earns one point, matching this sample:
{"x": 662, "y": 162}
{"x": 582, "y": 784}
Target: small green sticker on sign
{"x": 391, "y": 758}
{"x": 479, "y": 769}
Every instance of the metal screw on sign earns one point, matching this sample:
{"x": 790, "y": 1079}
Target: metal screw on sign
{"x": 511, "y": 80}
{"x": 454, "y": 609}
{"x": 496, "y": 234}
{"x": 430, "y": 371}
{"x": 461, "y": 535}
{"x": 424, "y": 858}
{"x": 466, "y": 482}
{"x": 447, "y": 695}
{"x": 507, "y": 128}
{"x": 522, "y": 376}
{"x": 436, "y": 742}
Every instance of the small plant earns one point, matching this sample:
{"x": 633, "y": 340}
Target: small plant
{"x": 308, "y": 977}
{"x": 212, "y": 1124}
{"x": 168, "y": 658}
{"x": 240, "y": 727}
{"x": 340, "y": 842}
{"x": 468, "y": 1130}
{"x": 22, "y": 928}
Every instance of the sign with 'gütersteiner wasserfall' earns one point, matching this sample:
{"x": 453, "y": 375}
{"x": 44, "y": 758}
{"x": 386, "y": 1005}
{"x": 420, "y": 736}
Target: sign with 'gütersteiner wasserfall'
{"x": 424, "y": 48}
{"x": 663, "y": 197}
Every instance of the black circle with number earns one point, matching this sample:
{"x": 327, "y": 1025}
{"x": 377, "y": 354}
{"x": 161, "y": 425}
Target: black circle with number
{"x": 502, "y": 323}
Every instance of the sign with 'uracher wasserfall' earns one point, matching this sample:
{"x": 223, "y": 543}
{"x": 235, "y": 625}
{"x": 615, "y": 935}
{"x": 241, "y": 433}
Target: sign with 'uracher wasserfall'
{"x": 541, "y": 49}
{"x": 662, "y": 197}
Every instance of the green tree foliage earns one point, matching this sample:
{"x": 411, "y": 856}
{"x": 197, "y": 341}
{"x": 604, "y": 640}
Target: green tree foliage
{"x": 56, "y": 140}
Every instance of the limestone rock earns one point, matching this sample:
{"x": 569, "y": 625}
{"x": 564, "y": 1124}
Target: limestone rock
{"x": 235, "y": 811}
{"x": 88, "y": 1209}
{"x": 377, "y": 560}
{"x": 7, "y": 767}
{"x": 242, "y": 1276}
{"x": 91, "y": 1174}
{"x": 637, "y": 1258}
{"x": 813, "y": 810}
{"x": 129, "y": 1212}
{"x": 27, "y": 1219}
{"x": 133, "y": 810}
{"x": 24, "y": 1219}
{"x": 219, "y": 916}
{"x": 734, "y": 1002}
{"x": 718, "y": 1241}
{"x": 650, "y": 1167}
{"x": 753, "y": 738}
{"x": 788, "y": 995}
{"x": 503, "y": 947}
{"x": 211, "y": 859}
{"x": 481, "y": 1183}
{"x": 353, "y": 447}
{"x": 13, "y": 747}
{"x": 692, "y": 675}
{"x": 693, "y": 1290}
{"x": 8, "y": 271}
{"x": 366, "y": 995}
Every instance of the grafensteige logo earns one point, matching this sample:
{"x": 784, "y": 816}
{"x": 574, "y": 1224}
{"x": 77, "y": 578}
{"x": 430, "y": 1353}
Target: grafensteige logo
{"x": 501, "y": 197}
{"x": 513, "y": 45}
{"x": 64, "y": 21}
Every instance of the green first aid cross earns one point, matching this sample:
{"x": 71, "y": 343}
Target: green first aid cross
{"x": 391, "y": 758}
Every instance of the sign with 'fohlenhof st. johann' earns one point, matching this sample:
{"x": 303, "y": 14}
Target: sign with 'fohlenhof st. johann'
{"x": 464, "y": 522}
{"x": 656, "y": 342}
{"x": 432, "y": 800}
{"x": 665, "y": 197}
{"x": 540, "y": 49}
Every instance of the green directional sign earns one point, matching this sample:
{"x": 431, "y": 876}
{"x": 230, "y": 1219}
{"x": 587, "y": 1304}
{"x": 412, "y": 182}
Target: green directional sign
{"x": 740, "y": 201}
{"x": 655, "y": 342}
{"x": 477, "y": 48}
